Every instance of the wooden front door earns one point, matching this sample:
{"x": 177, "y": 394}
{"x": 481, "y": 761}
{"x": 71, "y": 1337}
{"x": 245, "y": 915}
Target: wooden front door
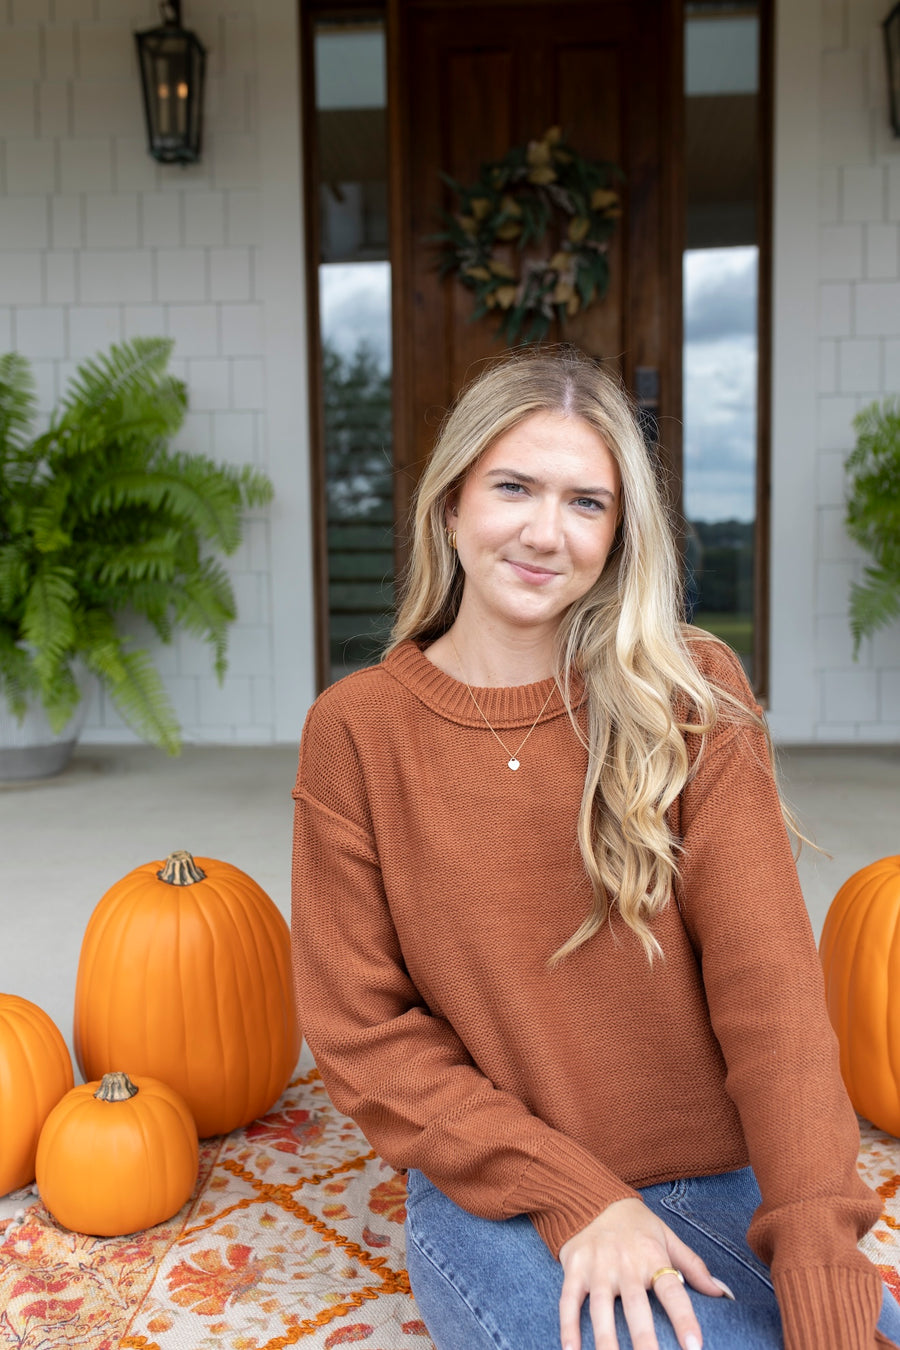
{"x": 468, "y": 82}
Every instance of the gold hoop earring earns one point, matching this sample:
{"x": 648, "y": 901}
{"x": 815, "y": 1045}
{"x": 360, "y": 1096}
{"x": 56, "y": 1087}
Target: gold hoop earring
{"x": 451, "y": 538}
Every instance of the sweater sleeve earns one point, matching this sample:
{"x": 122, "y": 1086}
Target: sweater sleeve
{"x": 388, "y": 1061}
{"x": 744, "y": 909}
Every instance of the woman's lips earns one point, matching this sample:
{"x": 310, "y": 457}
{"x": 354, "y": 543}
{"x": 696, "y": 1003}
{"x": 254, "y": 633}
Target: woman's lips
{"x": 537, "y": 576}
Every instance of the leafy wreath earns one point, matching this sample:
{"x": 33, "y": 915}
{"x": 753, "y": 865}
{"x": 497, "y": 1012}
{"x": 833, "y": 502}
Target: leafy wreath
{"x": 539, "y": 187}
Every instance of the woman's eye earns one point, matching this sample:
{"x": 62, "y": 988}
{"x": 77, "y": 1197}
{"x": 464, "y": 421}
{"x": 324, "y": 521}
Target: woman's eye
{"x": 514, "y": 489}
{"x": 590, "y": 503}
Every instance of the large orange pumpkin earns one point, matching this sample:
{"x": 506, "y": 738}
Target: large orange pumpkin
{"x": 35, "y": 1071}
{"x": 860, "y": 953}
{"x": 117, "y": 1156}
{"x": 185, "y": 976}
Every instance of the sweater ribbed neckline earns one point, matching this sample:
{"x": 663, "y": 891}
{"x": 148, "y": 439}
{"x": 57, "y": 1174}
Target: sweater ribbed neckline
{"x": 508, "y": 706}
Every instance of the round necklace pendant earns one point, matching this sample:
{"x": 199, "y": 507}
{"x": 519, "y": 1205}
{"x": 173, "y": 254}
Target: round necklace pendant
{"x": 513, "y": 764}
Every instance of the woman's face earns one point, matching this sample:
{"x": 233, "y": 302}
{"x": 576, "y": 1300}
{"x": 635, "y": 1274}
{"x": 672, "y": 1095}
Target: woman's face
{"x": 535, "y": 519}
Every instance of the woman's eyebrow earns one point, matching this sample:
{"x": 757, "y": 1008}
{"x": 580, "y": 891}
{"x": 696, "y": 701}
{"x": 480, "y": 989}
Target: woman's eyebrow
{"x": 526, "y": 478}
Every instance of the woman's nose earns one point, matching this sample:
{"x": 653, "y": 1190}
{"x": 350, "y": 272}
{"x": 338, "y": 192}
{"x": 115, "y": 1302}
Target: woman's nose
{"x": 543, "y": 528}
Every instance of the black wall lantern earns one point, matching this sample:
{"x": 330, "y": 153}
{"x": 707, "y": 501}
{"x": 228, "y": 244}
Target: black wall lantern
{"x": 172, "y": 62}
{"x": 891, "y": 27}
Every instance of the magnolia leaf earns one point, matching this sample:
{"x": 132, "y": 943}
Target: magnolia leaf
{"x": 578, "y": 228}
{"x": 538, "y": 154}
{"x": 514, "y": 318}
{"x": 505, "y": 296}
{"x": 542, "y": 174}
{"x": 511, "y": 230}
{"x": 501, "y": 269}
{"x": 603, "y": 198}
{"x": 586, "y": 286}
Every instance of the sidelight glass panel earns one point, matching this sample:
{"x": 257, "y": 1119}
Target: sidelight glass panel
{"x": 721, "y": 324}
{"x": 355, "y": 331}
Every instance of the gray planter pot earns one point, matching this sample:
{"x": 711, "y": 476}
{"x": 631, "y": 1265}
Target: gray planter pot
{"x": 30, "y": 748}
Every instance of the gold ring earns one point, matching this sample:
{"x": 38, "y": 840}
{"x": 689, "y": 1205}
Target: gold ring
{"x": 666, "y": 1270}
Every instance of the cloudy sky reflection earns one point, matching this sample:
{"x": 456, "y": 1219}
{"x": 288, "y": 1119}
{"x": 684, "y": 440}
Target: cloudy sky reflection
{"x": 720, "y": 358}
{"x": 355, "y": 306}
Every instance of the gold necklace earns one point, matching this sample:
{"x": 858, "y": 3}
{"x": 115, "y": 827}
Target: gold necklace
{"x": 513, "y": 759}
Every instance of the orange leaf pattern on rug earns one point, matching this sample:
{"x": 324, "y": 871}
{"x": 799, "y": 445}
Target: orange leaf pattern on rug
{"x": 389, "y": 1198}
{"x": 208, "y": 1284}
{"x": 288, "y": 1131}
{"x": 360, "y": 1332}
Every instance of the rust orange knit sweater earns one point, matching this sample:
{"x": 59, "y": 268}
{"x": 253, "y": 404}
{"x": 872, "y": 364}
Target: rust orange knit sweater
{"x": 431, "y": 885}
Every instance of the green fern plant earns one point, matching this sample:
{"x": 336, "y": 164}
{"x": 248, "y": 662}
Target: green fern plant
{"x": 99, "y": 519}
{"x": 873, "y": 516}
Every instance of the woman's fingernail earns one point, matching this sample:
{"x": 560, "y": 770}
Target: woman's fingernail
{"x": 691, "y": 1343}
{"x": 724, "y": 1287}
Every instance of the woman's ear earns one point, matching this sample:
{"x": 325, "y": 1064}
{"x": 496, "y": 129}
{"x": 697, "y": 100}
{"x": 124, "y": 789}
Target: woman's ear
{"x": 450, "y": 511}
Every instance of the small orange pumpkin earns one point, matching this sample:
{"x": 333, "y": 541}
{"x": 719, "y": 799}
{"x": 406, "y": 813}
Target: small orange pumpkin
{"x": 860, "y": 955}
{"x": 185, "y": 975}
{"x": 35, "y": 1072}
{"x": 117, "y": 1156}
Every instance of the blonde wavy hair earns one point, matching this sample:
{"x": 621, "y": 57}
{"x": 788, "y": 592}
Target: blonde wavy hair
{"x": 625, "y": 638}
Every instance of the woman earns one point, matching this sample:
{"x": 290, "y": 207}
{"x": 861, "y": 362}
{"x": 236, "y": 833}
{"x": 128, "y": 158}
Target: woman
{"x": 551, "y": 952}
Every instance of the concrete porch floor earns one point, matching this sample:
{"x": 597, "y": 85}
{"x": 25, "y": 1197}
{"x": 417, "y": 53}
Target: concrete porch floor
{"x": 65, "y": 840}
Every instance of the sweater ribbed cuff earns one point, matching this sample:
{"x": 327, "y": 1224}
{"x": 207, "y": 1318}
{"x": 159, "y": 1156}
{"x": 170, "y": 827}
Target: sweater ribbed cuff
{"x": 564, "y": 1188}
{"x": 829, "y": 1306}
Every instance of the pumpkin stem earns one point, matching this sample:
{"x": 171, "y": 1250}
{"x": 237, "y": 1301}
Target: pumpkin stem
{"x": 179, "y": 869}
{"x": 116, "y": 1087}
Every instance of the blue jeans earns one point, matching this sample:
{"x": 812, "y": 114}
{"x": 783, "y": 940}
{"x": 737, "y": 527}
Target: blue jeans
{"x": 482, "y": 1284}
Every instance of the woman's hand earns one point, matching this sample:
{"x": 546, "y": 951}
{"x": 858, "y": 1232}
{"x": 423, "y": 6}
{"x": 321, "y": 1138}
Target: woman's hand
{"x": 617, "y": 1255}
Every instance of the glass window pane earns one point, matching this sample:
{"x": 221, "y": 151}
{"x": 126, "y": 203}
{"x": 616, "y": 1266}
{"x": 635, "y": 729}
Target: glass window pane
{"x": 721, "y": 267}
{"x": 355, "y": 326}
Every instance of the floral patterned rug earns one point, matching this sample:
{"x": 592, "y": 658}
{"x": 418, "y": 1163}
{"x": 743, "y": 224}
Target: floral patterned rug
{"x": 294, "y": 1236}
